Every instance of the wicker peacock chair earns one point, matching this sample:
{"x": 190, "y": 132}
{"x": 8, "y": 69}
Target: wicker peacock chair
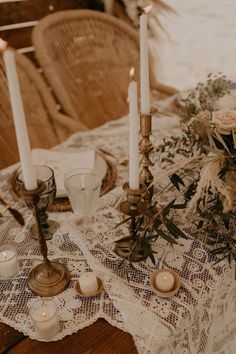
{"x": 46, "y": 126}
{"x": 86, "y": 57}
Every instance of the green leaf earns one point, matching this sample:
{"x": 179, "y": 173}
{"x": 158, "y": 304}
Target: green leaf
{"x": 177, "y": 181}
{"x": 166, "y": 237}
{"x": 220, "y": 260}
{"x": 153, "y": 237}
{"x": 152, "y": 258}
{"x": 122, "y": 222}
{"x": 179, "y": 206}
{"x": 174, "y": 230}
{"x": 226, "y": 221}
{"x": 219, "y": 250}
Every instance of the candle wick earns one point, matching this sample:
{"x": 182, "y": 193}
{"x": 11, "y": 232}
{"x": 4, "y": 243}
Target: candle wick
{"x": 4, "y": 255}
{"x": 44, "y": 315}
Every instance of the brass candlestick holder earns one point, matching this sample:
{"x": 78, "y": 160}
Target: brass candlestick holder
{"x": 133, "y": 206}
{"x": 145, "y": 147}
{"x": 48, "y": 278}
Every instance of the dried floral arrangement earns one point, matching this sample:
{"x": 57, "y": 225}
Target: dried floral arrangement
{"x": 202, "y": 165}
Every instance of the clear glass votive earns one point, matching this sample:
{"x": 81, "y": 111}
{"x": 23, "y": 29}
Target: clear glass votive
{"x": 83, "y": 189}
{"x": 8, "y": 261}
{"x": 43, "y": 314}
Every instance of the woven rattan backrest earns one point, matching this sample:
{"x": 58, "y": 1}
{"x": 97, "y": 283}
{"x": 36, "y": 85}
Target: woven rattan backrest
{"x": 42, "y": 132}
{"x": 86, "y": 56}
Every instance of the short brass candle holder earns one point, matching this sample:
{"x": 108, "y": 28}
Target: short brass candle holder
{"x": 48, "y": 278}
{"x": 145, "y": 147}
{"x": 133, "y": 206}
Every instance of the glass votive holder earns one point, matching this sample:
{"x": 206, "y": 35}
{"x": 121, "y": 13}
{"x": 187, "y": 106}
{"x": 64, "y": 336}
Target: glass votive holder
{"x": 43, "y": 314}
{"x": 8, "y": 261}
{"x": 83, "y": 189}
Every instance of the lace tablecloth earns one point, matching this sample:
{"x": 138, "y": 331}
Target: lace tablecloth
{"x": 200, "y": 318}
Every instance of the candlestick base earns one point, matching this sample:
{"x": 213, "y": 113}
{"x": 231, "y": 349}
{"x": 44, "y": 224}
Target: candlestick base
{"x": 133, "y": 206}
{"x": 129, "y": 250}
{"x": 48, "y": 279}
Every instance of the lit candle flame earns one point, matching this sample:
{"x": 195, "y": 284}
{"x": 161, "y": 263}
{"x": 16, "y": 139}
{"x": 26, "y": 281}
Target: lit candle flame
{"x": 165, "y": 278}
{"x": 3, "y": 45}
{"x": 146, "y": 9}
{"x": 4, "y": 255}
{"x": 44, "y": 315}
{"x": 131, "y": 74}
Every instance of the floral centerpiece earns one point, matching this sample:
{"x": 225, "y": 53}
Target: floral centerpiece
{"x": 202, "y": 164}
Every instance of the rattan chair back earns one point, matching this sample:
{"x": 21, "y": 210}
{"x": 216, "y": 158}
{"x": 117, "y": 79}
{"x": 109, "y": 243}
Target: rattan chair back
{"x": 39, "y": 107}
{"x": 86, "y": 57}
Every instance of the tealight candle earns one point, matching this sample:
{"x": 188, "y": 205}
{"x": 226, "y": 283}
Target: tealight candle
{"x": 164, "y": 281}
{"x": 8, "y": 261}
{"x": 43, "y": 314}
{"x": 88, "y": 284}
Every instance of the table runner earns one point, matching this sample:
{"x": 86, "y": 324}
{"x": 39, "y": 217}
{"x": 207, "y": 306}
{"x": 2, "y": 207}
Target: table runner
{"x": 200, "y": 318}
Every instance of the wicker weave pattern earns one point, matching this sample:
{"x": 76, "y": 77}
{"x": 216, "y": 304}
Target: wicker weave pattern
{"x": 39, "y": 107}
{"x": 86, "y": 56}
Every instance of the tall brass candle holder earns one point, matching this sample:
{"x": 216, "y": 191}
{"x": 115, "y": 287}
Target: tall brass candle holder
{"x": 136, "y": 247}
{"x": 48, "y": 278}
{"x": 145, "y": 147}
{"x": 129, "y": 247}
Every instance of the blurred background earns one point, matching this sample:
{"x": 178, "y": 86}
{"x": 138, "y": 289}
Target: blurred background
{"x": 189, "y": 38}
{"x": 202, "y": 39}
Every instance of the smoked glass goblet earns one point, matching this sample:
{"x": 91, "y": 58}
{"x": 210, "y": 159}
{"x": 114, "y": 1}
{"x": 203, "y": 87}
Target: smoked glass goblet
{"x": 46, "y": 175}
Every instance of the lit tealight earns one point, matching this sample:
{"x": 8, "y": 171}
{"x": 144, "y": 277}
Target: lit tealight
{"x": 164, "y": 281}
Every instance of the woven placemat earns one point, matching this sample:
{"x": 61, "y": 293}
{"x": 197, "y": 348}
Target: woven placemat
{"x": 63, "y": 204}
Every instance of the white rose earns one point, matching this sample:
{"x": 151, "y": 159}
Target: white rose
{"x": 224, "y": 121}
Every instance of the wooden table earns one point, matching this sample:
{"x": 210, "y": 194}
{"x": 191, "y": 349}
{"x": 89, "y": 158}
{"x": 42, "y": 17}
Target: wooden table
{"x": 99, "y": 338}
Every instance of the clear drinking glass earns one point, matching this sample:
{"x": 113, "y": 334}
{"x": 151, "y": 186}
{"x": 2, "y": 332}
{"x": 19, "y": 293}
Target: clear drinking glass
{"x": 83, "y": 189}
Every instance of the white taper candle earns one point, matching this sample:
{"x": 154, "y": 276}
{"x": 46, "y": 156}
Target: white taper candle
{"x": 144, "y": 65}
{"x": 22, "y": 137}
{"x": 133, "y": 134}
